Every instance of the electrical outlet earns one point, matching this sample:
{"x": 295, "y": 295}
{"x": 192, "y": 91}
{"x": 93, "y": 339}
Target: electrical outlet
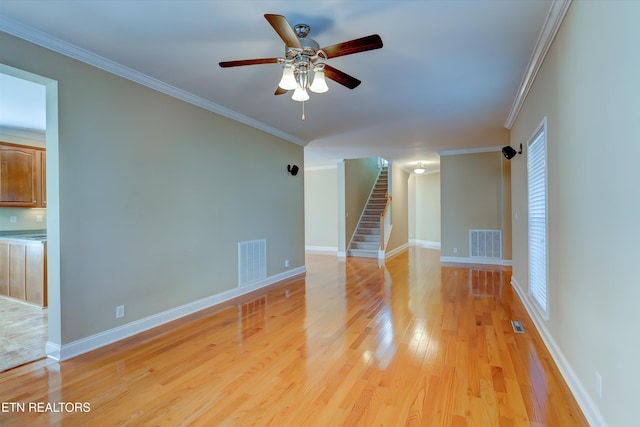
{"x": 599, "y": 384}
{"x": 455, "y": 250}
{"x": 119, "y": 311}
{"x": 286, "y": 263}
{"x": 38, "y": 218}
{"x": 13, "y": 219}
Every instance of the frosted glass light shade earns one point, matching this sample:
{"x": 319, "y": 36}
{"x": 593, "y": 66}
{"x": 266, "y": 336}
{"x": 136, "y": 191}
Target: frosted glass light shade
{"x": 319, "y": 84}
{"x": 419, "y": 170}
{"x": 288, "y": 81}
{"x": 300, "y": 94}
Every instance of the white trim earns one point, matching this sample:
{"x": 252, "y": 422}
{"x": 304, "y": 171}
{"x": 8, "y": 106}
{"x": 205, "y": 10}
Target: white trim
{"x": 101, "y": 339}
{"x": 425, "y": 244}
{"x": 589, "y": 408}
{"x": 52, "y": 350}
{"x": 321, "y": 249}
{"x": 342, "y": 255}
{"x": 548, "y": 33}
{"x": 320, "y": 168}
{"x": 47, "y": 41}
{"x": 469, "y": 260}
{"x": 468, "y": 151}
{"x": 393, "y": 252}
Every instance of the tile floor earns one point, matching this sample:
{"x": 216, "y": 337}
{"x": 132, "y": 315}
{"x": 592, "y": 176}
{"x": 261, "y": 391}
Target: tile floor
{"x": 23, "y": 333}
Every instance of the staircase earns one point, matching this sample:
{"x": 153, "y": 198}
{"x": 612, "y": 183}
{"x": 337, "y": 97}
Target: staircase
{"x": 366, "y": 240}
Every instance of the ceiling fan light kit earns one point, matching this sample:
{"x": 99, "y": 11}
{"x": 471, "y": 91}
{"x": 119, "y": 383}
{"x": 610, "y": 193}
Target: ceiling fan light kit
{"x": 303, "y": 55}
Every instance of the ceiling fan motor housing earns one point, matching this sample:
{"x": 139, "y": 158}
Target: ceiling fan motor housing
{"x": 309, "y": 47}
{"x": 302, "y": 30}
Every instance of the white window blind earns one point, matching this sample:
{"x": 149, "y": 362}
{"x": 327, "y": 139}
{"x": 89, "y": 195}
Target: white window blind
{"x": 537, "y": 203}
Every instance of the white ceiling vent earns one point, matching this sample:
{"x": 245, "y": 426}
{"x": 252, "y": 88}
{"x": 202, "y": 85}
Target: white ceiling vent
{"x": 252, "y": 261}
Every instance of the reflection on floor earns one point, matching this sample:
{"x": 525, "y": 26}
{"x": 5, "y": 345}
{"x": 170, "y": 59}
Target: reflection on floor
{"x": 23, "y": 333}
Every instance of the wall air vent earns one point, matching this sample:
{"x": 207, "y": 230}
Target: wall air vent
{"x": 485, "y": 244}
{"x": 252, "y": 261}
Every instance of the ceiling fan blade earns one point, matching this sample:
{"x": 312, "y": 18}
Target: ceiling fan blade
{"x": 280, "y": 91}
{"x": 353, "y": 46}
{"x": 226, "y": 64}
{"x": 340, "y": 77}
{"x": 284, "y": 30}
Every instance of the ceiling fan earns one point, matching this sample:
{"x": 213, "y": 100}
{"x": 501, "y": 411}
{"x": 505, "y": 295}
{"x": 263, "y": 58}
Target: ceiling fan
{"x": 303, "y": 55}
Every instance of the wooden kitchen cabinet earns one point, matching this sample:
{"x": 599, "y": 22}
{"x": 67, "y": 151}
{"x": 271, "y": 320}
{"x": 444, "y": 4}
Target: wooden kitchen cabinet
{"x": 22, "y": 176}
{"x": 4, "y": 268}
{"x": 23, "y": 271}
{"x": 35, "y": 274}
{"x": 17, "y": 271}
{"x": 41, "y": 173}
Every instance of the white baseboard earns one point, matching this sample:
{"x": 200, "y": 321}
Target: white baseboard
{"x": 425, "y": 244}
{"x": 321, "y": 249}
{"x": 396, "y": 251}
{"x": 342, "y": 255}
{"x": 93, "y": 342}
{"x": 588, "y": 406}
{"x": 469, "y": 260}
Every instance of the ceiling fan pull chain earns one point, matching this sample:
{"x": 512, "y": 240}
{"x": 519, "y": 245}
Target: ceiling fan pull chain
{"x": 303, "y": 111}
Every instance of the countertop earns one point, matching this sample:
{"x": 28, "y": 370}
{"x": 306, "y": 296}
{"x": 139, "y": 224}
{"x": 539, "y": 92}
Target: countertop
{"x": 23, "y": 236}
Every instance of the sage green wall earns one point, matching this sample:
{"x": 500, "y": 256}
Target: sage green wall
{"x": 321, "y": 208}
{"x": 425, "y": 227}
{"x": 588, "y": 88}
{"x": 399, "y": 209}
{"x": 472, "y": 197}
{"x": 25, "y": 218}
{"x": 155, "y": 194}
{"x": 359, "y": 178}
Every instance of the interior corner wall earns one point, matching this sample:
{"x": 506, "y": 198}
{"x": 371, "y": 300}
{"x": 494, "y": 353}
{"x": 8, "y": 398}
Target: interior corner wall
{"x": 399, "y": 209}
{"x": 411, "y": 215}
{"x": 505, "y": 214}
{"x": 471, "y": 198}
{"x": 588, "y": 90}
{"x": 427, "y": 209}
{"x": 321, "y": 209}
{"x": 152, "y": 203}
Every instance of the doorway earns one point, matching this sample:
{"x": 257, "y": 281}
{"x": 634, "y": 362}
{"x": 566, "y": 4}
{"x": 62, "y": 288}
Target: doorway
{"x": 39, "y": 330}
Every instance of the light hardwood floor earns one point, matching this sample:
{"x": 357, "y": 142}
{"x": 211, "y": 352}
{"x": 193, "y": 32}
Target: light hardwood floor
{"x": 411, "y": 343}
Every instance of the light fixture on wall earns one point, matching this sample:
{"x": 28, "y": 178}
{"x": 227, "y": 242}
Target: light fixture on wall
{"x": 509, "y": 152}
{"x": 419, "y": 169}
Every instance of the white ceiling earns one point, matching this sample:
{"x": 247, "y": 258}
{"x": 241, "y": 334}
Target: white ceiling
{"x": 445, "y": 79}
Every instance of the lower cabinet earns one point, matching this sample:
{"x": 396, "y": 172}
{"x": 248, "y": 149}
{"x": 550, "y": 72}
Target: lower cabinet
{"x": 23, "y": 271}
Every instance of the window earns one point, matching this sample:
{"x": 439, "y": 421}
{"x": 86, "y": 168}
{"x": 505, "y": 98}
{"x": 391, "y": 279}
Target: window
{"x": 537, "y": 204}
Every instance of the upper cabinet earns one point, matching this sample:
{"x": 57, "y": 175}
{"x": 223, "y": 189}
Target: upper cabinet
{"x": 22, "y": 176}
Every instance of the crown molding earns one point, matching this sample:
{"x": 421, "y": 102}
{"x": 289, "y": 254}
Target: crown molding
{"x": 548, "y": 33}
{"x": 469, "y": 151}
{"x": 47, "y": 41}
{"x": 321, "y": 168}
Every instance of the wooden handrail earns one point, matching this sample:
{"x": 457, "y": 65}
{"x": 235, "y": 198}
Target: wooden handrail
{"x": 382, "y": 217}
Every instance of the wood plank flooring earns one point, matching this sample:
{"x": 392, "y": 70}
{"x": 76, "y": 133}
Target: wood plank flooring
{"x": 412, "y": 343}
{"x": 23, "y": 333}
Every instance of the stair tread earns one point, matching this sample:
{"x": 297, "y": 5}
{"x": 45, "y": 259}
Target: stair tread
{"x": 366, "y": 239}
